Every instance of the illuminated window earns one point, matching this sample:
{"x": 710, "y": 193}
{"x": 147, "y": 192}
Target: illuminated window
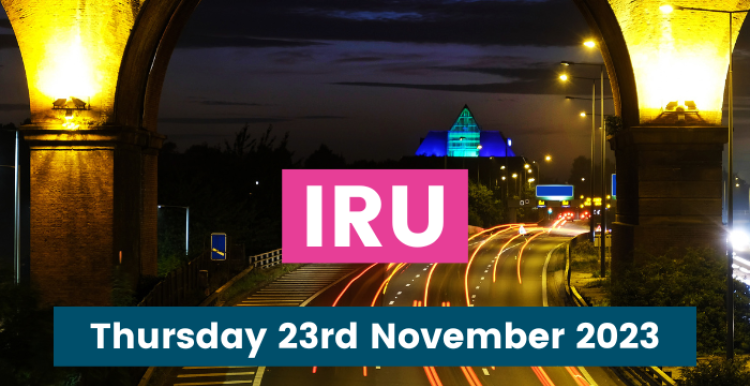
{"x": 463, "y": 138}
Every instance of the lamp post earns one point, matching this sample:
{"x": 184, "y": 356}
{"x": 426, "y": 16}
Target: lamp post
{"x": 730, "y": 153}
{"x": 593, "y": 140}
{"x": 479, "y": 147}
{"x": 526, "y": 167}
{"x": 187, "y": 224}
{"x": 508, "y": 143}
{"x": 591, "y": 44}
{"x": 16, "y": 210}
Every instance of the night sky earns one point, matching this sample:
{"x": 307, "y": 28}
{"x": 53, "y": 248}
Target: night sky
{"x": 369, "y": 78}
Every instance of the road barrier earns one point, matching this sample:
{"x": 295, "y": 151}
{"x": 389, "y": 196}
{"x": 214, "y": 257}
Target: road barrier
{"x": 266, "y": 260}
{"x": 195, "y": 280}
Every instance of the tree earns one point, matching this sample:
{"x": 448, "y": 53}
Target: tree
{"x": 324, "y": 158}
{"x": 720, "y": 372}
{"x": 695, "y": 279}
{"x": 485, "y": 209}
{"x": 234, "y": 189}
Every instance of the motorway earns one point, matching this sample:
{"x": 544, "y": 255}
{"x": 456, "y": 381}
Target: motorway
{"x": 505, "y": 269}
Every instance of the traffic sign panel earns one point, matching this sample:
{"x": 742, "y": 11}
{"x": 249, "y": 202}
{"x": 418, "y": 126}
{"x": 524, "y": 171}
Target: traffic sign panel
{"x": 614, "y": 186}
{"x": 218, "y": 246}
{"x": 554, "y": 192}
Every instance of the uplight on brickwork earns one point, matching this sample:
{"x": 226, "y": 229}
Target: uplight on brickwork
{"x": 680, "y": 58}
{"x": 72, "y": 51}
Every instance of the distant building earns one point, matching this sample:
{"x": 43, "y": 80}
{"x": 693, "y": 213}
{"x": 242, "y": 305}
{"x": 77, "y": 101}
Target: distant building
{"x": 465, "y": 139}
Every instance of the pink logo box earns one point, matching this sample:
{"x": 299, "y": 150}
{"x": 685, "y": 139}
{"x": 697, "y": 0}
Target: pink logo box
{"x": 422, "y": 187}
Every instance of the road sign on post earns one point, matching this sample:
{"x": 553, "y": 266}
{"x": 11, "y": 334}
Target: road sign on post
{"x": 218, "y": 246}
{"x": 554, "y": 192}
{"x": 614, "y": 186}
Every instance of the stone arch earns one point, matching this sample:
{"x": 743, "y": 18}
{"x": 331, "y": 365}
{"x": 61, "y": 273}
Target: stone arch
{"x": 603, "y": 24}
{"x": 145, "y": 61}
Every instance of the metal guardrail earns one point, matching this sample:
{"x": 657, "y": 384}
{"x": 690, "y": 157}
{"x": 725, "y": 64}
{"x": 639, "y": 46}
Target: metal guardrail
{"x": 659, "y": 376}
{"x": 266, "y": 260}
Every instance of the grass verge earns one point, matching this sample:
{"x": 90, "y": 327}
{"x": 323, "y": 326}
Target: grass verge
{"x": 253, "y": 281}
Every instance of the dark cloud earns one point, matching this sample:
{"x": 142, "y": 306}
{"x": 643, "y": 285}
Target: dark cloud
{"x": 359, "y": 59}
{"x": 534, "y": 78}
{"x": 323, "y": 117}
{"x": 228, "y": 120}
{"x": 515, "y": 23}
{"x": 215, "y": 41}
{"x": 228, "y": 103}
{"x": 527, "y": 73}
{"x": 204, "y": 121}
{"x": 504, "y": 88}
{"x": 292, "y": 57}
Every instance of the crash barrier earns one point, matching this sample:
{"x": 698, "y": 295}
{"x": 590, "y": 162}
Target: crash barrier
{"x": 266, "y": 260}
{"x": 196, "y": 279}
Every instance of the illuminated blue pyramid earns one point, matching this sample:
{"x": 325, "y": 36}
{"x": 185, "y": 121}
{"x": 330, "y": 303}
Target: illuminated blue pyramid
{"x": 463, "y": 138}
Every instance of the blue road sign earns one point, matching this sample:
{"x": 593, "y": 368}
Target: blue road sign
{"x": 555, "y": 192}
{"x": 614, "y": 186}
{"x": 218, "y": 246}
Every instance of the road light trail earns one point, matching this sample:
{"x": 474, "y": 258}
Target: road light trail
{"x": 473, "y": 255}
{"x": 471, "y": 376}
{"x": 520, "y": 256}
{"x": 385, "y": 283}
{"x": 543, "y": 377}
{"x": 491, "y": 229}
{"x": 497, "y": 258}
{"x": 427, "y": 285}
{"x": 577, "y": 376}
{"x": 432, "y": 376}
{"x": 468, "y": 265}
{"x": 350, "y": 283}
{"x": 342, "y": 294}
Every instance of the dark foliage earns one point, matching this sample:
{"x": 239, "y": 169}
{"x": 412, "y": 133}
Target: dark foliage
{"x": 325, "y": 158}
{"x": 26, "y": 347}
{"x": 719, "y": 372}
{"x": 693, "y": 280}
{"x": 235, "y": 190}
{"x": 485, "y": 208}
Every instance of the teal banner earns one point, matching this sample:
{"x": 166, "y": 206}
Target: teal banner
{"x": 379, "y": 336}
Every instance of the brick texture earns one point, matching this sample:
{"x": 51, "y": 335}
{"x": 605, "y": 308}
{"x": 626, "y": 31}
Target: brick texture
{"x": 669, "y": 191}
{"x": 72, "y": 223}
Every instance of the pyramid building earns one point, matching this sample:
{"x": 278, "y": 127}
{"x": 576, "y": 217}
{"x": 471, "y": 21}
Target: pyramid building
{"x": 465, "y": 139}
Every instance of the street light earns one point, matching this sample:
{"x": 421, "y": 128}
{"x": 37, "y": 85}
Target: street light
{"x": 479, "y": 147}
{"x": 592, "y": 44}
{"x": 187, "y": 223}
{"x": 593, "y": 136}
{"x": 730, "y": 152}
